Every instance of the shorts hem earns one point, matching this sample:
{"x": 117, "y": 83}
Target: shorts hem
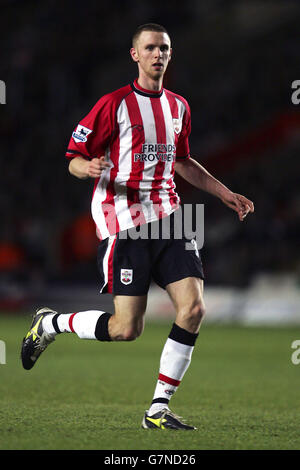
{"x": 179, "y": 278}
{"x": 130, "y": 294}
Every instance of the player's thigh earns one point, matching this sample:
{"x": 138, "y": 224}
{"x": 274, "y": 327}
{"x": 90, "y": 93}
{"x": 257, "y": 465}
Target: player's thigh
{"x": 128, "y": 320}
{"x": 177, "y": 261}
{"x": 187, "y": 298}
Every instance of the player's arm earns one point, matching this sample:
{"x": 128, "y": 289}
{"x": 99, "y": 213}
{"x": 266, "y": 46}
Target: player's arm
{"x": 199, "y": 177}
{"x": 91, "y": 138}
{"x": 82, "y": 168}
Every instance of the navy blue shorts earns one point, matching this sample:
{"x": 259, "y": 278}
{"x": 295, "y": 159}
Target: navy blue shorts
{"x": 127, "y": 266}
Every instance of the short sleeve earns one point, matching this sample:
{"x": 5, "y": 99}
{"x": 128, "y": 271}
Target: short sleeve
{"x": 183, "y": 148}
{"x": 92, "y": 135}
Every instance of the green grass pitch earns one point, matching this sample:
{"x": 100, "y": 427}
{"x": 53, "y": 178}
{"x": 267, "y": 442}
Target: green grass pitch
{"x": 241, "y": 391}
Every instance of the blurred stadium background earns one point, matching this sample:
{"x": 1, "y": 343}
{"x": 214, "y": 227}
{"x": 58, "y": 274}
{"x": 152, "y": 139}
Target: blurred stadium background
{"x": 235, "y": 62}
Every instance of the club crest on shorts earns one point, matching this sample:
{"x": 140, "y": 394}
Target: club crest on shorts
{"x": 177, "y": 123}
{"x": 81, "y": 133}
{"x": 126, "y": 276}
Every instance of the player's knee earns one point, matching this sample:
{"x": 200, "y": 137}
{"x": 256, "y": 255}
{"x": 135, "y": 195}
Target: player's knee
{"x": 197, "y": 313}
{"x": 132, "y": 332}
{"x": 122, "y": 328}
{"x": 200, "y": 310}
{"x": 193, "y": 315}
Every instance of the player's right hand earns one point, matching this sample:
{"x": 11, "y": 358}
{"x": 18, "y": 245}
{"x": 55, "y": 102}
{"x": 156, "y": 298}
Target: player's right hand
{"x": 238, "y": 203}
{"x": 96, "y": 166}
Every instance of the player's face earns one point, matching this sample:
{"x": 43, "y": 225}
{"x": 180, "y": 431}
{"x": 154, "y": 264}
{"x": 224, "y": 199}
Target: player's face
{"x": 152, "y": 52}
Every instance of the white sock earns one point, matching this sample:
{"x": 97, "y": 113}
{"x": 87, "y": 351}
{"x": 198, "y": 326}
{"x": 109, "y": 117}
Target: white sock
{"x": 81, "y": 323}
{"x": 84, "y": 323}
{"x": 174, "y": 362}
{"x": 48, "y": 325}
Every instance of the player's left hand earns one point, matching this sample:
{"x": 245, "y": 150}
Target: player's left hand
{"x": 238, "y": 203}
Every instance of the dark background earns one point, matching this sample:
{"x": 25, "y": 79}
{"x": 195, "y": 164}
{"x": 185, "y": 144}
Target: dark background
{"x": 234, "y": 61}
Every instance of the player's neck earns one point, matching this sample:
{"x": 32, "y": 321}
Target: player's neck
{"x": 149, "y": 84}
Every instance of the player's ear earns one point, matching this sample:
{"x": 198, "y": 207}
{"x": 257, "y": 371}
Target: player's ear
{"x": 134, "y": 54}
{"x": 171, "y": 50}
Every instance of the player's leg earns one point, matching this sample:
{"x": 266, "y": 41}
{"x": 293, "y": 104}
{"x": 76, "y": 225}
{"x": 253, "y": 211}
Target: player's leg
{"x": 125, "y": 324}
{"x": 125, "y": 272}
{"x": 180, "y": 272}
{"x": 187, "y": 298}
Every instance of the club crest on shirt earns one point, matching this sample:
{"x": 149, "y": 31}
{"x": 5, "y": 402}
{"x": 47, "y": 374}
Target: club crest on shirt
{"x": 81, "y": 133}
{"x": 177, "y": 123}
{"x": 126, "y": 276}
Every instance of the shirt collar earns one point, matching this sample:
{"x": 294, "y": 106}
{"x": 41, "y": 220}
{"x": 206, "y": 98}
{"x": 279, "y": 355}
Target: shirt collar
{"x": 144, "y": 92}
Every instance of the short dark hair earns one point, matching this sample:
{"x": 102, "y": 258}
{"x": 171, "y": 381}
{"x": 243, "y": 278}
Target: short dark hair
{"x": 148, "y": 27}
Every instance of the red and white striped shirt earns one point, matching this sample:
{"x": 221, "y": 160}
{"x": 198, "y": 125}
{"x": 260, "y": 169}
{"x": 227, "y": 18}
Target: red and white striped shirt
{"x": 141, "y": 133}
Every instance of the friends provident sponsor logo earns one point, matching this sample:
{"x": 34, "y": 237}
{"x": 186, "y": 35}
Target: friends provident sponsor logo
{"x": 156, "y": 152}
